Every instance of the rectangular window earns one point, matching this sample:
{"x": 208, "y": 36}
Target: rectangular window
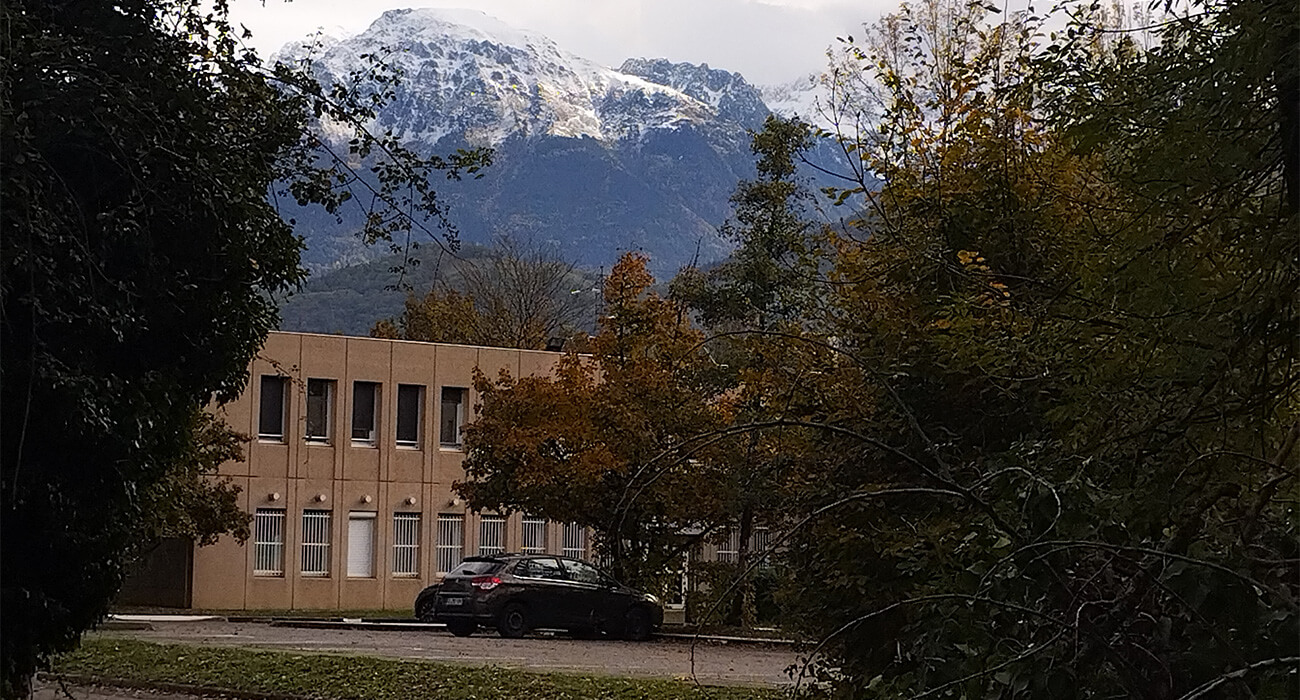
{"x": 268, "y": 542}
{"x": 451, "y": 541}
{"x": 365, "y": 398}
{"x": 410, "y": 400}
{"x": 406, "y": 544}
{"x": 316, "y": 543}
{"x": 320, "y": 409}
{"x": 534, "y": 532}
{"x": 729, "y": 548}
{"x": 452, "y": 416}
{"x": 361, "y": 544}
{"x": 270, "y": 422}
{"x": 759, "y": 543}
{"x": 575, "y": 541}
{"x": 491, "y": 535}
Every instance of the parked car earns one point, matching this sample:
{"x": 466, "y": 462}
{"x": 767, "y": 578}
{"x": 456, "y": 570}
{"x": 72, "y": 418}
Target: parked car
{"x": 517, "y": 593}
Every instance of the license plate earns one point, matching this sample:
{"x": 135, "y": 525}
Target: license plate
{"x": 453, "y": 602}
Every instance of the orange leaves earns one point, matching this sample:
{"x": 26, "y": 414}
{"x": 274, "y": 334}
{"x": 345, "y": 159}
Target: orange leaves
{"x": 593, "y": 443}
{"x": 991, "y": 291}
{"x": 969, "y": 257}
{"x": 628, "y": 280}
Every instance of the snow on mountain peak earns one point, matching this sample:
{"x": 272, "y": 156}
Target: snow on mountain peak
{"x": 468, "y": 74}
{"x": 803, "y": 98}
{"x": 728, "y": 93}
{"x": 454, "y": 24}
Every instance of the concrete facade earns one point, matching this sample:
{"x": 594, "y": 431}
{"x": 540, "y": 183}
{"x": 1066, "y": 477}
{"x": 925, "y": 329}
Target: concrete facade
{"x": 352, "y": 479}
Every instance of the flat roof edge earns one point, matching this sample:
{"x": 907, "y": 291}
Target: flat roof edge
{"x": 412, "y": 342}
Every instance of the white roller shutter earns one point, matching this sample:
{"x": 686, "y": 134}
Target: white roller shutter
{"x": 361, "y": 544}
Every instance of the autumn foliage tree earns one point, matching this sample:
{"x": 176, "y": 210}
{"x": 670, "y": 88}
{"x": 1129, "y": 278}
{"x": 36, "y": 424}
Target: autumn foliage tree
{"x": 1072, "y": 469}
{"x": 607, "y": 441}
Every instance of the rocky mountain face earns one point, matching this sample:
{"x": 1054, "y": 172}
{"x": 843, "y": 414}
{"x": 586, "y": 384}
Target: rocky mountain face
{"x": 590, "y": 160}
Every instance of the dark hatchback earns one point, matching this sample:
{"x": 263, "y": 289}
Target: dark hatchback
{"x": 517, "y": 593}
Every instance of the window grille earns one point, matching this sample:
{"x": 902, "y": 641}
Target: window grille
{"x": 759, "y": 543}
{"x": 729, "y": 548}
{"x": 406, "y": 544}
{"x": 410, "y": 400}
{"x": 270, "y": 421}
{"x": 491, "y": 535}
{"x": 677, "y": 584}
{"x": 534, "y": 532}
{"x": 316, "y": 543}
{"x": 451, "y": 541}
{"x": 575, "y": 541}
{"x": 365, "y": 398}
{"x": 268, "y": 542}
{"x": 361, "y": 544}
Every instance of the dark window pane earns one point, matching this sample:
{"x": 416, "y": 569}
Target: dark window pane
{"x": 452, "y": 415}
{"x": 409, "y": 399}
{"x": 364, "y": 395}
{"x": 270, "y": 422}
{"x": 319, "y": 396}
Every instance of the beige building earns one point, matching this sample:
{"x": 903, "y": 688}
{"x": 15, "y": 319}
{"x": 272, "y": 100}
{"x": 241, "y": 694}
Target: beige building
{"x": 356, "y": 443}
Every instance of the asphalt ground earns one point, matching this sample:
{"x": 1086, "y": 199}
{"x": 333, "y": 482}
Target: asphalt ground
{"x": 707, "y": 662}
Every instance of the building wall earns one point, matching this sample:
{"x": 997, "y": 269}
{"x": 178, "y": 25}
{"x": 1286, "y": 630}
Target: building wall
{"x": 346, "y": 477}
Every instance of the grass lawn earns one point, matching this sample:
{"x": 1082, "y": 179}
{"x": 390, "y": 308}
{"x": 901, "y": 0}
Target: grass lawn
{"x": 338, "y": 677}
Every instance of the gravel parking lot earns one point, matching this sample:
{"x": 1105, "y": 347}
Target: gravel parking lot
{"x": 709, "y": 663}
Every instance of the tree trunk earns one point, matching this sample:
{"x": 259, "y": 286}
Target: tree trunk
{"x": 743, "y": 606}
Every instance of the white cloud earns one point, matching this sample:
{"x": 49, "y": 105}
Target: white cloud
{"x": 768, "y": 41}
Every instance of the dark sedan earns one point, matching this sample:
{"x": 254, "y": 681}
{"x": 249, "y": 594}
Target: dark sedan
{"x": 517, "y": 593}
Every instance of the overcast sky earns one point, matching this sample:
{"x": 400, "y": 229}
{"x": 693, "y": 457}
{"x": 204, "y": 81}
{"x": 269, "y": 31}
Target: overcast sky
{"x": 773, "y": 41}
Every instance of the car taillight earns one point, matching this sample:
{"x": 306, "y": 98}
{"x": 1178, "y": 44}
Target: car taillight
{"x": 485, "y": 583}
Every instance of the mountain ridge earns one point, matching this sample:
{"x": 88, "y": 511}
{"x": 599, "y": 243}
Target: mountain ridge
{"x": 590, "y": 160}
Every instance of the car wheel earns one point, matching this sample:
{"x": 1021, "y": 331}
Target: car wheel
{"x": 636, "y": 626}
{"x": 424, "y": 611}
{"x": 462, "y": 628}
{"x": 513, "y": 622}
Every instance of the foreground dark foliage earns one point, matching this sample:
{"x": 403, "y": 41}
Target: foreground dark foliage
{"x": 140, "y": 257}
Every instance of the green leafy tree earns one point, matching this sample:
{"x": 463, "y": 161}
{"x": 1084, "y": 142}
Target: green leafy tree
{"x": 769, "y": 284}
{"x": 769, "y": 277}
{"x": 140, "y": 254}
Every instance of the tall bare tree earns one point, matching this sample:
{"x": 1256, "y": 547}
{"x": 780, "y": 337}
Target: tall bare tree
{"x": 518, "y": 296}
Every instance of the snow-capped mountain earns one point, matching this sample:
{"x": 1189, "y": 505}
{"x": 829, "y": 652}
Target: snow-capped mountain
{"x": 469, "y": 74}
{"x": 802, "y": 98}
{"x": 731, "y": 97}
{"x": 590, "y": 159}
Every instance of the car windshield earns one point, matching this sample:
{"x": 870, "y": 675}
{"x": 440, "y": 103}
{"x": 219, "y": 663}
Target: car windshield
{"x": 475, "y": 568}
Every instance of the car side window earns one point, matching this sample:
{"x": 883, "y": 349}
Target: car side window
{"x": 539, "y": 568}
{"x": 583, "y": 573}
{"x": 475, "y": 568}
